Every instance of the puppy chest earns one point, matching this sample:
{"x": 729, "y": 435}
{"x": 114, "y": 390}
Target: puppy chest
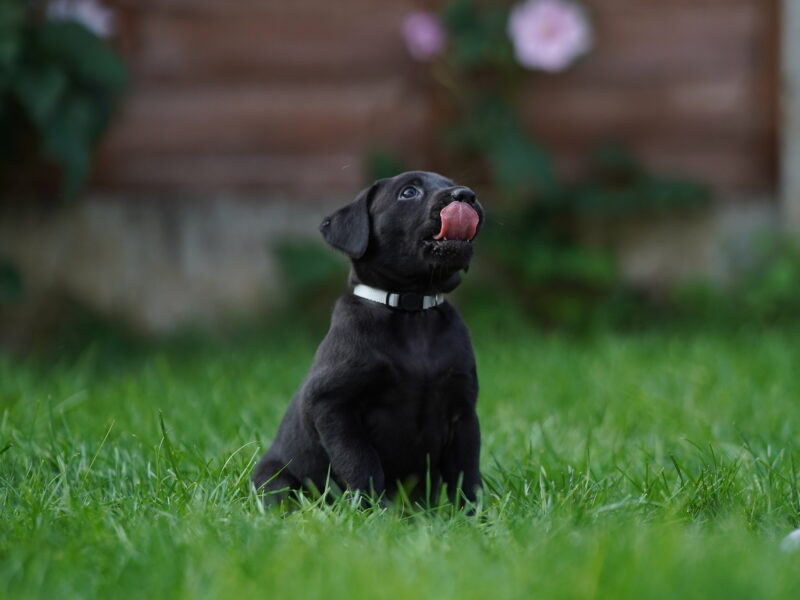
{"x": 418, "y": 409}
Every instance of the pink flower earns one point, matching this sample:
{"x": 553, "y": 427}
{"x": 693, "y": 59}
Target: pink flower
{"x": 549, "y": 34}
{"x": 425, "y": 37}
{"x": 90, "y": 13}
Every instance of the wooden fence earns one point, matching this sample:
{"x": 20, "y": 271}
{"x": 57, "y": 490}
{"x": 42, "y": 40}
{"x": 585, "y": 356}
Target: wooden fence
{"x": 276, "y": 97}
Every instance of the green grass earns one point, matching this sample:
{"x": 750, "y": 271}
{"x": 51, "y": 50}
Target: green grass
{"x": 658, "y": 465}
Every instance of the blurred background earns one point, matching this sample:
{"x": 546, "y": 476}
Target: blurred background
{"x": 165, "y": 163}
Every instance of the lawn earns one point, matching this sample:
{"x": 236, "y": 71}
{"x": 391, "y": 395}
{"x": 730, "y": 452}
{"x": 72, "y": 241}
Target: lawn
{"x": 650, "y": 465}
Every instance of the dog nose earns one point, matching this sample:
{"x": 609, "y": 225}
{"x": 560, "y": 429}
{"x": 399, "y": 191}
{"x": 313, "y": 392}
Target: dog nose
{"x": 463, "y": 194}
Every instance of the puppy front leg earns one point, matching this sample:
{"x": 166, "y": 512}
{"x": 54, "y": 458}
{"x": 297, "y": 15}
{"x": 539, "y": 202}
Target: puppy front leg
{"x": 460, "y": 462}
{"x": 353, "y": 459}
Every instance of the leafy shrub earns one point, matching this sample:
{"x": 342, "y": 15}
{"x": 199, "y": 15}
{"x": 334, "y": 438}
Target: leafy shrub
{"x": 771, "y": 289}
{"x": 481, "y": 58}
{"x": 313, "y": 277}
{"x": 10, "y": 283}
{"x": 59, "y": 85}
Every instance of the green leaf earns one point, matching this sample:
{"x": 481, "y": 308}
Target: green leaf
{"x": 39, "y": 89}
{"x": 68, "y": 88}
{"x": 85, "y": 55}
{"x": 12, "y": 21}
{"x": 10, "y": 283}
{"x": 68, "y": 138}
{"x": 381, "y": 163}
{"x": 478, "y": 35}
{"x": 520, "y": 166}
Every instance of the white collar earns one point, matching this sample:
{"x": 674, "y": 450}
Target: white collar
{"x": 409, "y": 301}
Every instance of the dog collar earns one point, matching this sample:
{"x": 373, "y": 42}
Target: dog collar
{"x": 408, "y": 301}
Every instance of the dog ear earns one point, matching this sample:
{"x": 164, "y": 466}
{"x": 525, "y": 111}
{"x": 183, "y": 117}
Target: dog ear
{"x": 348, "y": 228}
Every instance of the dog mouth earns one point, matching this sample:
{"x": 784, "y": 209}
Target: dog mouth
{"x": 459, "y": 223}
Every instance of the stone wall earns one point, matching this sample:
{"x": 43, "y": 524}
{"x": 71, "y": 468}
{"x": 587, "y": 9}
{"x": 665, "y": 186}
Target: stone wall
{"x": 162, "y": 267}
{"x": 157, "y": 267}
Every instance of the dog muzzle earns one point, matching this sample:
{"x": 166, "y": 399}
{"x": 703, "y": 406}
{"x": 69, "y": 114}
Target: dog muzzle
{"x": 408, "y": 301}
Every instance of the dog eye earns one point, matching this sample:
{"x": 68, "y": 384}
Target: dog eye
{"x": 408, "y": 192}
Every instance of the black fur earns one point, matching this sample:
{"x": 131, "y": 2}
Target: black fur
{"x": 390, "y": 397}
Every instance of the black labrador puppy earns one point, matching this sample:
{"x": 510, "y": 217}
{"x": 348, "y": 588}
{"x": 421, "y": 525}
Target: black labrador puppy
{"x": 390, "y": 397}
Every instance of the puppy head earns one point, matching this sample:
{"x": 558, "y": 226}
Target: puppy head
{"x": 412, "y": 232}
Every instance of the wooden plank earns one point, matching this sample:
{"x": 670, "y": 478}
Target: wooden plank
{"x": 686, "y": 111}
{"x": 298, "y": 85}
{"x": 683, "y": 40}
{"x": 211, "y": 174}
{"x": 602, "y": 5}
{"x": 310, "y": 8}
{"x": 633, "y": 43}
{"x": 719, "y": 166}
{"x": 326, "y": 117}
{"x": 639, "y": 45}
{"x": 176, "y": 125}
{"x": 321, "y": 6}
{"x": 309, "y": 118}
{"x": 245, "y": 47}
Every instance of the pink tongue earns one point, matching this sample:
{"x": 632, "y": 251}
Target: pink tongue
{"x": 459, "y": 222}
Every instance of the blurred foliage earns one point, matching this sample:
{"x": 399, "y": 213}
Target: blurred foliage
{"x": 59, "y": 84}
{"x": 766, "y": 292}
{"x": 10, "y": 283}
{"x": 479, "y": 84}
{"x": 534, "y": 240}
{"x": 618, "y": 185}
{"x": 382, "y": 163}
{"x": 771, "y": 288}
{"x": 540, "y": 247}
{"x": 312, "y": 277}
{"x": 491, "y": 300}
